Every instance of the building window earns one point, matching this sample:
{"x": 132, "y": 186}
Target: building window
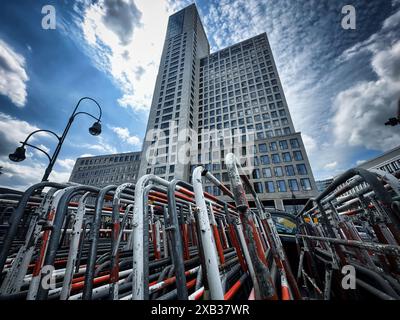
{"x": 216, "y": 191}
{"x": 269, "y": 186}
{"x": 293, "y": 185}
{"x": 286, "y": 157}
{"x": 281, "y": 185}
{"x": 294, "y": 143}
{"x": 301, "y": 169}
{"x": 289, "y": 170}
{"x": 297, "y": 155}
{"x": 267, "y": 172}
{"x": 276, "y": 158}
{"x": 258, "y": 187}
{"x": 283, "y": 145}
{"x": 278, "y": 171}
{"x": 305, "y": 184}
{"x": 264, "y": 159}
{"x": 262, "y": 147}
{"x": 256, "y": 174}
{"x": 160, "y": 170}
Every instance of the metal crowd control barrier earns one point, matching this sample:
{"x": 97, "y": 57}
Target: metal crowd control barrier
{"x": 164, "y": 240}
{"x": 352, "y": 225}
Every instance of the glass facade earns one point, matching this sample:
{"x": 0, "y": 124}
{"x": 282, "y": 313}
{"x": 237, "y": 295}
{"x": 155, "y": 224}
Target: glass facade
{"x": 175, "y": 24}
{"x": 239, "y": 89}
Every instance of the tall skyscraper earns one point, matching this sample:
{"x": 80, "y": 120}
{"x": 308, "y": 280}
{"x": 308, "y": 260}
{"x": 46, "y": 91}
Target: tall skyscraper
{"x": 175, "y": 99}
{"x": 206, "y": 105}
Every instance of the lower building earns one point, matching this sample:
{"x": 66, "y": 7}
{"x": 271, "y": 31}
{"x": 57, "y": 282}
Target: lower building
{"x": 323, "y": 184}
{"x": 388, "y": 161}
{"x": 107, "y": 169}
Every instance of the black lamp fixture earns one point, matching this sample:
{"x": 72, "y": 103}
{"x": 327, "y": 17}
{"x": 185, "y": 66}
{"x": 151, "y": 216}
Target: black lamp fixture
{"x": 18, "y": 155}
{"x": 95, "y": 129}
{"x": 394, "y": 121}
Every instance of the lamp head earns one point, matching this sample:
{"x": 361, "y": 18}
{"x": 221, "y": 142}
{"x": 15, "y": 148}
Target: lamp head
{"x": 95, "y": 129}
{"x": 18, "y": 155}
{"x": 392, "y": 122}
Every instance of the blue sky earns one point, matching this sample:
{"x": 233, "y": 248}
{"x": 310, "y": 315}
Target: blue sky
{"x": 341, "y": 85}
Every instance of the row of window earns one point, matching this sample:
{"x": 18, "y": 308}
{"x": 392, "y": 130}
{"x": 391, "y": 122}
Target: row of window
{"x": 259, "y": 173}
{"x": 106, "y": 170}
{"x": 236, "y": 51}
{"x": 237, "y": 83}
{"x": 279, "y": 171}
{"x": 283, "y": 186}
{"x": 243, "y": 60}
{"x": 391, "y": 167}
{"x": 107, "y": 180}
{"x": 289, "y": 185}
{"x": 110, "y": 159}
{"x": 264, "y": 129}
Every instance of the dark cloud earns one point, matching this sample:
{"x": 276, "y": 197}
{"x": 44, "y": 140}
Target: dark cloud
{"x": 139, "y": 71}
{"x": 122, "y": 17}
{"x": 12, "y": 74}
{"x": 4, "y": 64}
{"x": 6, "y": 146}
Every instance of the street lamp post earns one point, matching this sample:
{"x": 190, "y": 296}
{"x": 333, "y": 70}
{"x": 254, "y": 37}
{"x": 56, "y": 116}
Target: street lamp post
{"x": 95, "y": 129}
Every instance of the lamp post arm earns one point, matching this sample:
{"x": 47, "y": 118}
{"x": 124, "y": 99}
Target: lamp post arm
{"x": 57, "y": 149}
{"x": 91, "y": 99}
{"x": 88, "y": 114}
{"x": 37, "y": 148}
{"x": 65, "y": 132}
{"x": 40, "y": 130}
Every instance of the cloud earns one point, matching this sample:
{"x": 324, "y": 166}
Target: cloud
{"x": 84, "y": 155}
{"x": 101, "y": 146}
{"x": 123, "y": 133}
{"x": 360, "y": 162}
{"x": 310, "y": 143}
{"x": 374, "y": 43}
{"x": 13, "y": 76}
{"x": 124, "y": 39}
{"x": 139, "y": 72}
{"x": 122, "y": 17}
{"x": 68, "y": 164}
{"x": 362, "y": 110}
{"x": 23, "y": 174}
{"x": 331, "y": 165}
{"x": 386, "y": 63}
{"x": 12, "y": 131}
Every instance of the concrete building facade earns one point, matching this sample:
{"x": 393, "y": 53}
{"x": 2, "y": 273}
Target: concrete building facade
{"x": 388, "y": 161}
{"x": 108, "y": 169}
{"x": 234, "y": 93}
{"x": 175, "y": 98}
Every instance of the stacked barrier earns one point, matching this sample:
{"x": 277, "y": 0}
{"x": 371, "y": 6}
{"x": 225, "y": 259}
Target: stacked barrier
{"x": 352, "y": 227}
{"x": 164, "y": 240}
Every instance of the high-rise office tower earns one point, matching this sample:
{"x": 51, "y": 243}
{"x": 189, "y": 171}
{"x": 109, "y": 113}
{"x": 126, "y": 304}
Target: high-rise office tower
{"x": 175, "y": 98}
{"x": 206, "y": 105}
